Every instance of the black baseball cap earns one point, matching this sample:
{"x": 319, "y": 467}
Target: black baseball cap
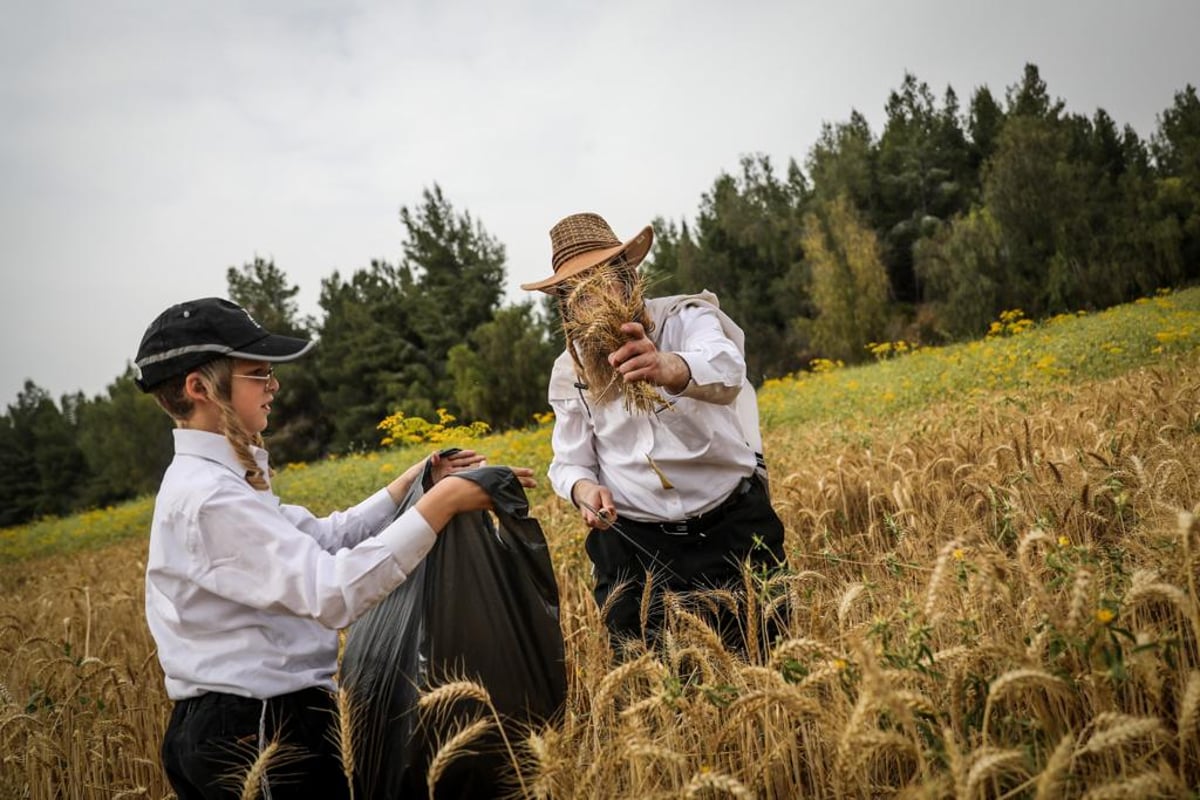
{"x": 191, "y": 334}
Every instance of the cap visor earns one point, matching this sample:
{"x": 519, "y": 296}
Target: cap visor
{"x": 274, "y": 348}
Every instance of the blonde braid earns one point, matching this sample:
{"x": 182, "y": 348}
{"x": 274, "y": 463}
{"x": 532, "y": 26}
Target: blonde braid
{"x": 241, "y": 442}
{"x": 217, "y": 376}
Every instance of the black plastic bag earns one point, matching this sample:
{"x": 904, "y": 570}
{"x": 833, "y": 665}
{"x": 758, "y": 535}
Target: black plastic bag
{"x": 483, "y": 605}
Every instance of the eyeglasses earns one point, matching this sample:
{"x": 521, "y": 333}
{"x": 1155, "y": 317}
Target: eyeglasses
{"x": 257, "y": 376}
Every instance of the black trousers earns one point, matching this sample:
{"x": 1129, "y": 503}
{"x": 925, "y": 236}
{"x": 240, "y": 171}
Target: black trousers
{"x": 212, "y": 740}
{"x": 684, "y": 557}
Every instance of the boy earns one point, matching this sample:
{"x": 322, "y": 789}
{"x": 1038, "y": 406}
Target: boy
{"x": 244, "y": 594}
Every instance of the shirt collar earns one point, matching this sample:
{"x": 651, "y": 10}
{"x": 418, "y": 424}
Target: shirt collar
{"x": 215, "y": 447}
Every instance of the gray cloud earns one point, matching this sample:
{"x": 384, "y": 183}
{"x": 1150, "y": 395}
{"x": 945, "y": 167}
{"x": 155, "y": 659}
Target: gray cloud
{"x": 146, "y": 147}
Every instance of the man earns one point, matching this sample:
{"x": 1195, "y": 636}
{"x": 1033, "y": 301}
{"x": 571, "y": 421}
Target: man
{"x": 676, "y": 490}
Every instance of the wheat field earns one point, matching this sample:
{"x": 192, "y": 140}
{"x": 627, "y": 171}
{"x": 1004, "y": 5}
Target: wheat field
{"x": 991, "y": 598}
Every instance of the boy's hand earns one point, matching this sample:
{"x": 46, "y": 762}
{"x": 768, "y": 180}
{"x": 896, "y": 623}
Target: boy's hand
{"x": 460, "y": 496}
{"x": 442, "y": 466}
{"x": 525, "y": 476}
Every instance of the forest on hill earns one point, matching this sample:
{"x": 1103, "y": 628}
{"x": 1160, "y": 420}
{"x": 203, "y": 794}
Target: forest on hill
{"x": 923, "y": 232}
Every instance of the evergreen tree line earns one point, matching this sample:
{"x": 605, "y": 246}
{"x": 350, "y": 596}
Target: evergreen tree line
{"x": 922, "y": 233}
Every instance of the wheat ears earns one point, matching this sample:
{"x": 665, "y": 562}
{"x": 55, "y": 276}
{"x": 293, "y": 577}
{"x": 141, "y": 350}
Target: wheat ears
{"x": 593, "y": 310}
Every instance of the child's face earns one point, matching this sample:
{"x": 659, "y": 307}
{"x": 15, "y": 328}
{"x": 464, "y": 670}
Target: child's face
{"x": 254, "y": 387}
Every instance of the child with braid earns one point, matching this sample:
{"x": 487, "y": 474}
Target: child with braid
{"x": 245, "y": 594}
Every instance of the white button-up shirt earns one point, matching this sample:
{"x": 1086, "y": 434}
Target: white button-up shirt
{"x": 244, "y": 594}
{"x": 698, "y": 444}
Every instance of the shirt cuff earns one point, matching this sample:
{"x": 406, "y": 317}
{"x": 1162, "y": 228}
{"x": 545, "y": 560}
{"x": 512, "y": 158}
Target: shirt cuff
{"x": 380, "y": 506}
{"x": 691, "y": 380}
{"x": 707, "y": 384}
{"x": 703, "y": 373}
{"x": 565, "y": 479}
{"x": 409, "y": 539}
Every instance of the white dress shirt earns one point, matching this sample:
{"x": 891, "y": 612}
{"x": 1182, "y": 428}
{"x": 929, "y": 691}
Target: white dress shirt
{"x": 698, "y": 443}
{"x": 244, "y": 594}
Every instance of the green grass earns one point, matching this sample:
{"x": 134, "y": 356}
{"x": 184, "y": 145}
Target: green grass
{"x": 1063, "y": 350}
{"x": 1023, "y": 361}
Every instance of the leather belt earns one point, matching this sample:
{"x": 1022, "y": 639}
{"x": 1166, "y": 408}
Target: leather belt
{"x": 699, "y": 525}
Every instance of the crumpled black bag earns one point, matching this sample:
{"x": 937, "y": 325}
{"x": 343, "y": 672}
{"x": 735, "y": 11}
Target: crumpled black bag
{"x": 483, "y": 605}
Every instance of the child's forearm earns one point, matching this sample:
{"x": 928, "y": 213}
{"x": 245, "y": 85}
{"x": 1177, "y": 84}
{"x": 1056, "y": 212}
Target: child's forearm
{"x": 449, "y": 497}
{"x": 399, "y": 487}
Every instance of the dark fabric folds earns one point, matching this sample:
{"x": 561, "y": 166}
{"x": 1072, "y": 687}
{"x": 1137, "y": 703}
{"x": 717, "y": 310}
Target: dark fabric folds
{"x": 483, "y": 606}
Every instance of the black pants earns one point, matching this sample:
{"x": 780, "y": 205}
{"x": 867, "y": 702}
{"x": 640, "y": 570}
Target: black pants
{"x": 708, "y": 556}
{"x": 212, "y": 740}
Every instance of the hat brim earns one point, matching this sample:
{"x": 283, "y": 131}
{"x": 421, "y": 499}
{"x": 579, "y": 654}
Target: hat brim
{"x": 634, "y": 250}
{"x": 273, "y": 347}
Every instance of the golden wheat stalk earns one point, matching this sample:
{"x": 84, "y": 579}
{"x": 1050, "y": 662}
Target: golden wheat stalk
{"x": 615, "y": 678}
{"x": 275, "y": 756}
{"x": 647, "y": 601}
{"x": 443, "y": 697}
{"x": 1188, "y": 526}
{"x": 1148, "y": 784}
{"x": 938, "y": 578}
{"x": 987, "y": 762}
{"x": 639, "y": 748}
{"x": 847, "y": 600}
{"x": 715, "y": 780}
{"x": 756, "y": 677}
{"x": 1189, "y": 714}
{"x": 956, "y": 761}
{"x": 253, "y": 780}
{"x": 851, "y": 731}
{"x": 1051, "y": 783}
{"x": 798, "y": 648}
{"x": 1145, "y": 586}
{"x": 1019, "y": 677}
{"x": 1124, "y": 728}
{"x": 689, "y": 657}
{"x": 250, "y": 763}
{"x": 540, "y": 748}
{"x": 1079, "y": 599}
{"x": 595, "y": 307}
{"x": 346, "y": 726}
{"x": 454, "y": 747}
{"x": 699, "y": 632}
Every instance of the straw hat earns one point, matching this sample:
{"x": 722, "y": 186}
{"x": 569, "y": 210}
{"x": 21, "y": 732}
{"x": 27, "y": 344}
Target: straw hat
{"x": 582, "y": 241}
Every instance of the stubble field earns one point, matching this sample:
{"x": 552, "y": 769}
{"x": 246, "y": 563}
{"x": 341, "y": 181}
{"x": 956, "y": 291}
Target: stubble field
{"x": 992, "y": 592}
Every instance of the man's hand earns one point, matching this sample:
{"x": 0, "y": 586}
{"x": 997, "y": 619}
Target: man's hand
{"x": 640, "y": 360}
{"x": 596, "y": 504}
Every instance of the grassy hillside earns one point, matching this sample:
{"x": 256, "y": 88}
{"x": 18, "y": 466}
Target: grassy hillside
{"x": 992, "y": 593}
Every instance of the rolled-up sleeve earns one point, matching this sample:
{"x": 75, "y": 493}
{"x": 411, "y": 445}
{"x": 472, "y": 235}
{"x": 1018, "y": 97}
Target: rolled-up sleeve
{"x": 717, "y": 366}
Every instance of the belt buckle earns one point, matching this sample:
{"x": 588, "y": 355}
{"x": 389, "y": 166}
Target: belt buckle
{"x": 674, "y": 528}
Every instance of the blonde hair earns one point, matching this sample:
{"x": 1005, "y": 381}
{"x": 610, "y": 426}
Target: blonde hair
{"x": 217, "y": 378}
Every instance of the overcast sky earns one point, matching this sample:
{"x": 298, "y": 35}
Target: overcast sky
{"x": 145, "y": 147}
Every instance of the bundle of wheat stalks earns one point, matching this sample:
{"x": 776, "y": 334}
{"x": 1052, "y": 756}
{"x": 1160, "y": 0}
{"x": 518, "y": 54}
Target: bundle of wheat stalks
{"x": 594, "y": 308}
